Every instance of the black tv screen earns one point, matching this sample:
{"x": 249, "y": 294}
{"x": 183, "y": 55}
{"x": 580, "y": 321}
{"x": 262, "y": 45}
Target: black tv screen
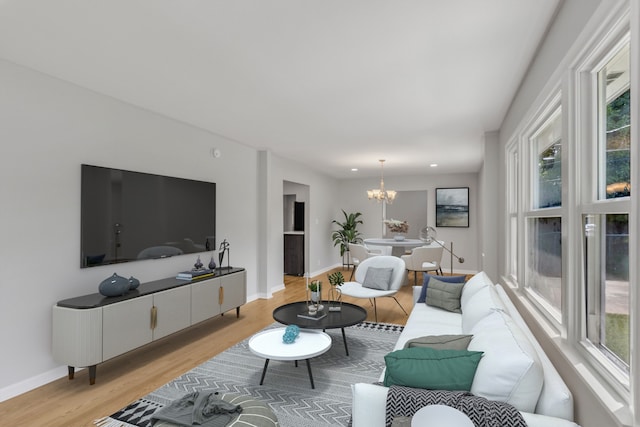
{"x": 128, "y": 216}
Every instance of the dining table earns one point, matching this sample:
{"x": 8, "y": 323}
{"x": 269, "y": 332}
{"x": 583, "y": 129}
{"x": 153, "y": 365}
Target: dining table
{"x": 398, "y": 247}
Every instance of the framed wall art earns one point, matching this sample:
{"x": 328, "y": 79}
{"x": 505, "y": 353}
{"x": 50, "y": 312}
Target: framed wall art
{"x": 452, "y": 207}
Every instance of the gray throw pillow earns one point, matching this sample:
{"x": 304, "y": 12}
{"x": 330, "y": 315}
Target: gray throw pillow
{"x": 441, "y": 342}
{"x": 444, "y": 295}
{"x": 378, "y": 278}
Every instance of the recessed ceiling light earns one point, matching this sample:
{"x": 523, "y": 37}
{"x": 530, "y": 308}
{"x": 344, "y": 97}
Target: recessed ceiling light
{"x": 354, "y": 169}
{"x": 434, "y": 165}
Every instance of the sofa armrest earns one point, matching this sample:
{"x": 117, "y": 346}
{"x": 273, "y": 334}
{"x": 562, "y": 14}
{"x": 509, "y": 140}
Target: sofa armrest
{"x": 369, "y": 403}
{"x": 416, "y": 293}
{"x": 555, "y": 399}
{"x": 537, "y": 420}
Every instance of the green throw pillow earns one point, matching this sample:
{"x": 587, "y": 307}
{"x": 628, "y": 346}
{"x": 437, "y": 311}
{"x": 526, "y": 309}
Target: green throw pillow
{"x": 377, "y": 278}
{"x": 425, "y": 367}
{"x": 441, "y": 342}
{"x": 444, "y": 295}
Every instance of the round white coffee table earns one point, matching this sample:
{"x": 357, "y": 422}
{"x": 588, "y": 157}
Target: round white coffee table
{"x": 440, "y": 416}
{"x": 268, "y": 344}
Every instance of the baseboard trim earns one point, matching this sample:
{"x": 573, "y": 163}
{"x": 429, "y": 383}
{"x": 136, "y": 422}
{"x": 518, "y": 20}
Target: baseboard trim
{"x": 32, "y": 383}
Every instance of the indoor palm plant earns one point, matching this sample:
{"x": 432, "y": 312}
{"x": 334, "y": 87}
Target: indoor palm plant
{"x": 347, "y": 231}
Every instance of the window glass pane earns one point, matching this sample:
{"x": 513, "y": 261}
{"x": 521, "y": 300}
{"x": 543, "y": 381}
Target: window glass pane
{"x": 544, "y": 259}
{"x": 548, "y": 144}
{"x": 607, "y": 272}
{"x": 616, "y": 141}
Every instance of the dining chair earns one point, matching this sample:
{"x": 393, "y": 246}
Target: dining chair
{"x": 424, "y": 259}
{"x": 358, "y": 254}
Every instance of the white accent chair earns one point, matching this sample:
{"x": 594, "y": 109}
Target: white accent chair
{"x": 356, "y": 290}
{"x": 358, "y": 254}
{"x": 424, "y": 259}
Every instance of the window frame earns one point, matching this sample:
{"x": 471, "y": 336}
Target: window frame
{"x": 550, "y": 108}
{"x": 587, "y": 84}
{"x": 614, "y": 21}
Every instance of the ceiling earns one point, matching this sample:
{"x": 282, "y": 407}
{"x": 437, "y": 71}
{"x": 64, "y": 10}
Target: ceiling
{"x": 333, "y": 84}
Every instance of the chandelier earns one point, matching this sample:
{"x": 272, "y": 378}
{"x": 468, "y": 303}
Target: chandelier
{"x": 380, "y": 194}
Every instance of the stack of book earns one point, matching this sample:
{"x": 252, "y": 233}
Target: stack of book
{"x": 315, "y": 316}
{"x": 195, "y": 274}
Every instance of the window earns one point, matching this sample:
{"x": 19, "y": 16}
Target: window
{"x": 606, "y": 216}
{"x": 571, "y": 221}
{"x": 543, "y": 224}
{"x": 615, "y": 122}
{"x": 547, "y": 142}
{"x": 544, "y": 261}
{"x": 606, "y": 242}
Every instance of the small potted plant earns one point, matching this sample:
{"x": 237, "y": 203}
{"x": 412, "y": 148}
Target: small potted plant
{"x": 314, "y": 296}
{"x": 336, "y": 279}
{"x": 315, "y": 287}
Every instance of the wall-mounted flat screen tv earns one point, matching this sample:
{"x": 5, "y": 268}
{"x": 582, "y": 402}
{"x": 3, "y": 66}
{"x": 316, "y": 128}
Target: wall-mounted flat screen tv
{"x": 128, "y": 216}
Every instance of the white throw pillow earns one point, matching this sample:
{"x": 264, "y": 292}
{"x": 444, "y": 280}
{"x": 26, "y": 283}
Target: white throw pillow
{"x": 476, "y": 283}
{"x": 510, "y": 370}
{"x": 479, "y": 306}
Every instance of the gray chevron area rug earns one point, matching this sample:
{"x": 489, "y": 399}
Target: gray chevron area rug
{"x": 286, "y": 390}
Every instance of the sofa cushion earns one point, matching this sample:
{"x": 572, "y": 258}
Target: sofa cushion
{"x": 473, "y": 285}
{"x": 426, "y": 320}
{"x": 510, "y": 370}
{"x": 480, "y": 305}
{"x": 424, "y": 367}
{"x": 377, "y": 278}
{"x": 427, "y": 277}
{"x": 444, "y": 295}
{"x": 441, "y": 342}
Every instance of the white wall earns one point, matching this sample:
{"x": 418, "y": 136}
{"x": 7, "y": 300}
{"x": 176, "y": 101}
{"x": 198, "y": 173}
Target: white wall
{"x": 48, "y": 129}
{"x": 319, "y": 211}
{"x": 489, "y": 231}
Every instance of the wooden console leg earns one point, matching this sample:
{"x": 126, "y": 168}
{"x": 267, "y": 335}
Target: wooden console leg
{"x": 238, "y": 311}
{"x": 92, "y": 374}
{"x": 71, "y": 371}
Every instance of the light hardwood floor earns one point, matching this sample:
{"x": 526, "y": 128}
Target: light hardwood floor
{"x": 126, "y": 378}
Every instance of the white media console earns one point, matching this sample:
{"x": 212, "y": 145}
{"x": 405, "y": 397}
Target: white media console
{"x": 91, "y": 329}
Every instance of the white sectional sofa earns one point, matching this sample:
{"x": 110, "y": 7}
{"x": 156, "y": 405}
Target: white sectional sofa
{"x": 513, "y": 369}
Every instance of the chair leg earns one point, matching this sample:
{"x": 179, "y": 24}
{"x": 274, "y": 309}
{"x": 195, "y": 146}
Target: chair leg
{"x": 415, "y": 278}
{"x": 375, "y": 310}
{"x": 398, "y": 302}
{"x": 352, "y": 271}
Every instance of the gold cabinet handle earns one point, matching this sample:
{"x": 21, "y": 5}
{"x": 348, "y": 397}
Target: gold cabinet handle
{"x": 221, "y": 295}
{"x": 154, "y": 317}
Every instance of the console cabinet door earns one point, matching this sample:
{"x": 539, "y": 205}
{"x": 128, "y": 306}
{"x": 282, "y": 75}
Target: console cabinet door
{"x": 173, "y": 311}
{"x": 234, "y": 291}
{"x": 204, "y": 300}
{"x": 126, "y": 325}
